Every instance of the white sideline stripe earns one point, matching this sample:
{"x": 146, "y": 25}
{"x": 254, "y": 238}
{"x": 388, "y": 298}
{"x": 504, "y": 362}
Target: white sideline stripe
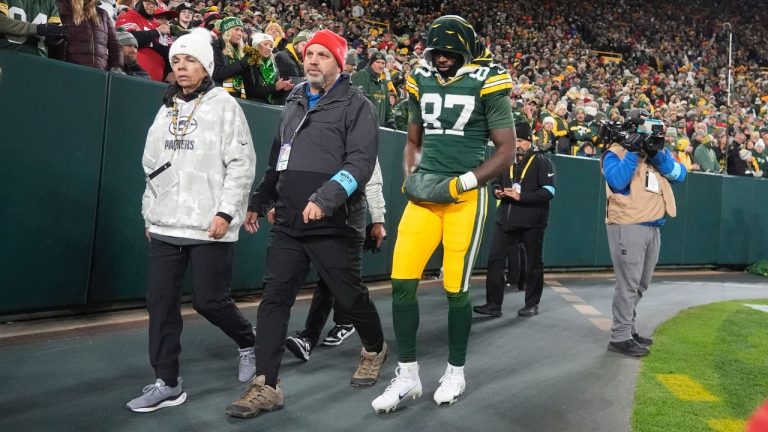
{"x": 571, "y": 298}
{"x": 601, "y": 323}
{"x": 587, "y": 309}
{"x": 758, "y": 307}
{"x": 561, "y": 290}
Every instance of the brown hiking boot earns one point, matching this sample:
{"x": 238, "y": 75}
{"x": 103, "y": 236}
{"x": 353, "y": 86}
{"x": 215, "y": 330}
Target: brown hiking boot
{"x": 257, "y": 399}
{"x": 369, "y": 367}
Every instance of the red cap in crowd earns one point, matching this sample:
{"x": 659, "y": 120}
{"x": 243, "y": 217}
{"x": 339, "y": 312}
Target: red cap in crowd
{"x": 336, "y": 44}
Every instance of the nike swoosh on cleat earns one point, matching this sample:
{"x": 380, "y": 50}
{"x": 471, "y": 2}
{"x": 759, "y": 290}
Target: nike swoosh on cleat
{"x": 401, "y": 396}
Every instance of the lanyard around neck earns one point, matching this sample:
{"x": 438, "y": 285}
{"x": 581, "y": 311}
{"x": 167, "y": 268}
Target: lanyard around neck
{"x": 525, "y": 170}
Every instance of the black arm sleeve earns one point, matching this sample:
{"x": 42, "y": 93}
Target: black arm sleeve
{"x": 145, "y": 37}
{"x": 264, "y": 197}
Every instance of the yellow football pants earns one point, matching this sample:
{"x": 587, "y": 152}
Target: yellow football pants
{"x": 459, "y": 226}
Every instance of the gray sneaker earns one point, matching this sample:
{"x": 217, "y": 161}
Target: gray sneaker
{"x": 156, "y": 396}
{"x": 247, "y": 368}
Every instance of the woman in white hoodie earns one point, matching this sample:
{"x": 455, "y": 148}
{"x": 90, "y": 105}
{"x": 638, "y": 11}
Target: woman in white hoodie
{"x": 199, "y": 163}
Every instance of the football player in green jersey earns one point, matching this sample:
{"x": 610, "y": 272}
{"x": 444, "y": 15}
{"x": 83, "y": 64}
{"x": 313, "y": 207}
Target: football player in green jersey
{"x": 458, "y": 100}
{"x": 28, "y": 25}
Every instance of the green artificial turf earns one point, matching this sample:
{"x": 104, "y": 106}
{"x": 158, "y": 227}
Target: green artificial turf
{"x": 723, "y": 347}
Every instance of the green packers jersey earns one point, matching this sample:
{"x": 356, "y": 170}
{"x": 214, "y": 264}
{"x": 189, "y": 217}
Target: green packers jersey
{"x": 458, "y": 115}
{"x": 33, "y": 12}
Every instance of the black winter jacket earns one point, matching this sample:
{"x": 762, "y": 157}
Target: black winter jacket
{"x": 532, "y": 211}
{"x": 339, "y": 133}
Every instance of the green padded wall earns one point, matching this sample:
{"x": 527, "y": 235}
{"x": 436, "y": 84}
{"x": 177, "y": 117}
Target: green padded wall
{"x": 250, "y": 250}
{"x": 576, "y": 212}
{"x": 758, "y": 222}
{"x": 72, "y": 228}
{"x": 53, "y": 127}
{"x": 735, "y": 220}
{"x": 120, "y": 252}
{"x": 702, "y": 219}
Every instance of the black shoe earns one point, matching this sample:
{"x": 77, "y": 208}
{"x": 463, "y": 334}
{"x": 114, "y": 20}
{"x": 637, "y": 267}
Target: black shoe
{"x": 629, "y": 347}
{"x": 299, "y": 346}
{"x": 528, "y": 311}
{"x": 487, "y": 310}
{"x": 642, "y": 340}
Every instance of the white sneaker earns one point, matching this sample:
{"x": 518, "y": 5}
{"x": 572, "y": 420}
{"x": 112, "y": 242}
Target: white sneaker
{"x": 451, "y": 385}
{"x": 405, "y": 384}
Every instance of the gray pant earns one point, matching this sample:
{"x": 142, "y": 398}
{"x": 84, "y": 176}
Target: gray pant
{"x": 634, "y": 252}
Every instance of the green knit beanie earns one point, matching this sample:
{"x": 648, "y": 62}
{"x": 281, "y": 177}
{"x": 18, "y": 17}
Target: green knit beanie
{"x": 229, "y": 23}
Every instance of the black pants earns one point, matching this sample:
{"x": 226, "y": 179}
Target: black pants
{"x": 502, "y": 241}
{"x": 322, "y": 303}
{"x": 516, "y": 265}
{"x": 338, "y": 260}
{"x": 211, "y": 266}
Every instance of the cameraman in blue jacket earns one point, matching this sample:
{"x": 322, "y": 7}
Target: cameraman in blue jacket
{"x": 638, "y": 175}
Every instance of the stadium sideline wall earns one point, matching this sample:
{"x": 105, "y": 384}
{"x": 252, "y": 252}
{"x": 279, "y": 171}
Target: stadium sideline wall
{"x": 72, "y": 232}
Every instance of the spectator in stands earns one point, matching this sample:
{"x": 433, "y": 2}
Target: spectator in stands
{"x": 269, "y": 86}
{"x": 705, "y": 155}
{"x": 561, "y": 128}
{"x": 152, "y": 56}
{"x": 736, "y": 165}
{"x": 234, "y": 69}
{"x": 289, "y": 61}
{"x": 370, "y": 83}
{"x": 211, "y": 168}
{"x": 579, "y": 132}
{"x": 278, "y": 35}
{"x": 163, "y": 17}
{"x": 545, "y": 138}
{"x": 183, "y": 24}
{"x": 91, "y": 39}
{"x": 130, "y": 47}
{"x": 760, "y": 158}
{"x": 20, "y": 36}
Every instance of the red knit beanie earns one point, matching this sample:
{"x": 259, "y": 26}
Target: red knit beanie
{"x": 336, "y": 44}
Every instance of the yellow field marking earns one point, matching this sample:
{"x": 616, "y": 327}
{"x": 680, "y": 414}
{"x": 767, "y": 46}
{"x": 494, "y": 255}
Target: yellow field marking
{"x": 587, "y": 309}
{"x": 685, "y": 388}
{"x": 571, "y": 298}
{"x": 602, "y": 323}
{"x": 727, "y": 425}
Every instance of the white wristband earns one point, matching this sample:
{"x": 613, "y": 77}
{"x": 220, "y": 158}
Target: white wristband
{"x": 468, "y": 180}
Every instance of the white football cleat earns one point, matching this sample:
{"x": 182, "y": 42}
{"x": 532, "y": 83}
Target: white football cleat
{"x": 452, "y": 385}
{"x": 405, "y": 384}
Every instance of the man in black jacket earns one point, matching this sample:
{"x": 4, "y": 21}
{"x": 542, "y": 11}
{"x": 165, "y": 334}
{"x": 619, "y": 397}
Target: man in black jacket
{"x": 521, "y": 218}
{"x": 323, "y": 155}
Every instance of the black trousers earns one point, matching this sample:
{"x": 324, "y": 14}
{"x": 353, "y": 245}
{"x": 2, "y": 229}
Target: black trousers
{"x": 211, "y": 267}
{"x": 516, "y": 265}
{"x": 338, "y": 260}
{"x": 322, "y": 303}
{"x": 502, "y": 241}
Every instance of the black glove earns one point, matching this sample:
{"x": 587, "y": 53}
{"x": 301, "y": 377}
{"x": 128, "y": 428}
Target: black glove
{"x": 244, "y": 61}
{"x": 370, "y": 241}
{"x": 51, "y": 31}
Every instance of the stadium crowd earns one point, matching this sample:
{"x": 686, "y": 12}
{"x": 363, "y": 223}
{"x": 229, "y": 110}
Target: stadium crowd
{"x": 574, "y": 65}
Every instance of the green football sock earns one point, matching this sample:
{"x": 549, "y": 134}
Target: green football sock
{"x": 405, "y": 317}
{"x": 459, "y": 325}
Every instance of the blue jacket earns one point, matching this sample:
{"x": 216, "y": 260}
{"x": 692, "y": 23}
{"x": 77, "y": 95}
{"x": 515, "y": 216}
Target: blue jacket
{"x": 618, "y": 173}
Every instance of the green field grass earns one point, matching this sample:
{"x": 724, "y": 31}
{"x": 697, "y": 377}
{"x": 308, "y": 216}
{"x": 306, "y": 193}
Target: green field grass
{"x": 723, "y": 347}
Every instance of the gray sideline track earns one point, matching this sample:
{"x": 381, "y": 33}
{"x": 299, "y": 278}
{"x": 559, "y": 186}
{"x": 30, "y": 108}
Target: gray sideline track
{"x": 546, "y": 373}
